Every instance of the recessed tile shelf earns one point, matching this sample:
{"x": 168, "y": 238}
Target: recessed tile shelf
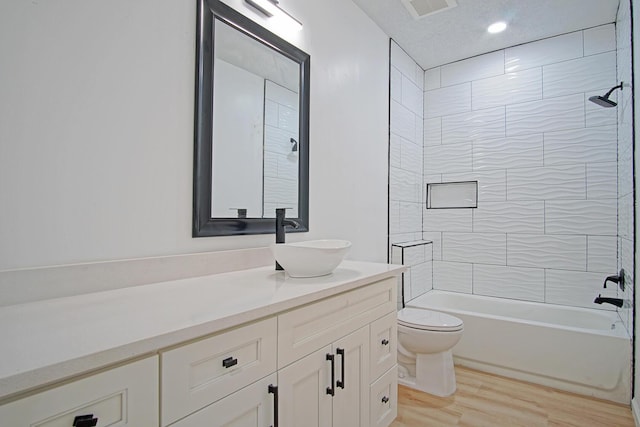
{"x": 452, "y": 195}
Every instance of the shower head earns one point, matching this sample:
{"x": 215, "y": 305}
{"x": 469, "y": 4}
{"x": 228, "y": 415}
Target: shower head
{"x": 604, "y": 101}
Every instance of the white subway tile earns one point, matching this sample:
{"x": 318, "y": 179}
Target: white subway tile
{"x": 395, "y": 150}
{"x": 288, "y": 119}
{"x": 419, "y": 131}
{"x": 282, "y": 191}
{"x": 509, "y": 217}
{"x": 447, "y": 220}
{"x": 491, "y": 184}
{"x": 625, "y": 171}
{"x": 481, "y": 248}
{"x": 278, "y": 140}
{"x": 513, "y": 152}
{"x": 602, "y": 254}
{"x": 581, "y": 217}
{"x": 579, "y": 75}
{"x": 547, "y": 115}
{"x": 567, "y": 182}
{"x": 281, "y": 95}
{"x": 403, "y": 62}
{"x": 472, "y": 126}
{"x": 432, "y": 79}
{"x": 447, "y": 158}
{"x": 394, "y": 218}
{"x": 627, "y": 260}
{"x": 412, "y": 96}
{"x": 509, "y": 282}
{"x": 595, "y": 114}
{"x": 447, "y": 100}
{"x": 396, "y": 85}
{"x": 625, "y": 214}
{"x": 411, "y": 156}
{"x": 421, "y": 278}
{"x": 510, "y": 88}
{"x": 420, "y": 77}
{"x": 270, "y": 164}
{"x": 288, "y": 167}
{"x": 478, "y": 67}
{"x": 436, "y": 246}
{"x": 546, "y": 251}
{"x": 270, "y": 113}
{"x": 547, "y": 51}
{"x": 599, "y": 39}
{"x": 452, "y": 276}
{"x": 573, "y": 288}
{"x": 413, "y": 255}
{"x": 410, "y": 217}
{"x": 601, "y": 180}
{"x": 403, "y": 121}
{"x": 580, "y": 146}
{"x": 433, "y": 131}
{"x": 405, "y": 186}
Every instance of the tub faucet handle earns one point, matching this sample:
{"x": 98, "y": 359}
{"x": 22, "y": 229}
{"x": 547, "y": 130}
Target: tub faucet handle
{"x": 619, "y": 279}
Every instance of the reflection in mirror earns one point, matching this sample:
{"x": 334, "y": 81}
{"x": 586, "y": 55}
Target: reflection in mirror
{"x": 252, "y": 126}
{"x": 255, "y": 104}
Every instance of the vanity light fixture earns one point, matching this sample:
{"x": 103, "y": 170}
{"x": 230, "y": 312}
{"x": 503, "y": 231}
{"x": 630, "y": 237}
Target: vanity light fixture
{"x": 270, "y": 9}
{"x": 497, "y": 27}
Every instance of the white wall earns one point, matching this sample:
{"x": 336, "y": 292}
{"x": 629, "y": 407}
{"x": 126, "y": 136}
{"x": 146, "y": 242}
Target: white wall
{"x": 519, "y": 122}
{"x": 96, "y": 130}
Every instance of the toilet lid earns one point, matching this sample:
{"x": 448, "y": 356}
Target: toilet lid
{"x": 428, "y": 320}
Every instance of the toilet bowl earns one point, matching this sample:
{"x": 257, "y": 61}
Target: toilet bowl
{"x": 425, "y": 360}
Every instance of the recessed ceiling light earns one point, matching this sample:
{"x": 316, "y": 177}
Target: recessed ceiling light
{"x": 497, "y": 27}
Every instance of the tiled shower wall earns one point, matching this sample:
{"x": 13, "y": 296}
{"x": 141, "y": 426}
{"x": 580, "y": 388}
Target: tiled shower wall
{"x": 625, "y": 156}
{"x": 406, "y": 152}
{"x": 519, "y": 122}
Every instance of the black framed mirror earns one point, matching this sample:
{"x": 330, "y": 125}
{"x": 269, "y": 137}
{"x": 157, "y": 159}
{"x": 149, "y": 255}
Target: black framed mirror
{"x": 251, "y": 126}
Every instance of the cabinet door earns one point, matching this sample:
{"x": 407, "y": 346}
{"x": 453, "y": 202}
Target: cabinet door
{"x": 384, "y": 399}
{"x": 304, "y": 400}
{"x": 351, "y": 402}
{"x": 250, "y": 407}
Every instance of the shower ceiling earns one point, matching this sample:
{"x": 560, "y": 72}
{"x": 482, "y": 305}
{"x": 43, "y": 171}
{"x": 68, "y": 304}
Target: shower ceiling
{"x": 461, "y": 32}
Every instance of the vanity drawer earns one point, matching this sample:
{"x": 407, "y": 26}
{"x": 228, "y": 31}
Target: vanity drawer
{"x": 384, "y": 399}
{"x": 197, "y": 374}
{"x": 124, "y": 396}
{"x": 383, "y": 344}
{"x": 306, "y": 329}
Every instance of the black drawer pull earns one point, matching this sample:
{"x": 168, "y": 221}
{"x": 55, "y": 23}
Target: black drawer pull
{"x": 340, "y": 383}
{"x": 274, "y": 390}
{"x": 85, "y": 421}
{"x": 385, "y": 342}
{"x": 385, "y": 399}
{"x": 229, "y": 362}
{"x": 332, "y": 389}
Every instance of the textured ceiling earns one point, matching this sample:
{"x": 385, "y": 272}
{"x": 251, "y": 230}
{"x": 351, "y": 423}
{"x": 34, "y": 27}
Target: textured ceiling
{"x": 461, "y": 33}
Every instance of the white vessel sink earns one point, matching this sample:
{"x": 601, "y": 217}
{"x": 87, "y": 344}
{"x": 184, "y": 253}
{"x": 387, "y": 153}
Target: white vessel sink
{"x": 312, "y": 258}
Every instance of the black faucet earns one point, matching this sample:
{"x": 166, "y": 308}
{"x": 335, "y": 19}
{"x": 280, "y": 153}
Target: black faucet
{"x": 619, "y": 279}
{"x": 281, "y": 222}
{"x": 618, "y": 302}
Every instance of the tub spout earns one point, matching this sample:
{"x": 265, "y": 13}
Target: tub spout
{"x": 618, "y": 302}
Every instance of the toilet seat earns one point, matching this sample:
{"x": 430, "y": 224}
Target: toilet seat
{"x": 428, "y": 320}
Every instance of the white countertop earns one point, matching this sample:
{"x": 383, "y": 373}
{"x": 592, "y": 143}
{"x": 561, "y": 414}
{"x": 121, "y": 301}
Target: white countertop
{"x": 50, "y": 340}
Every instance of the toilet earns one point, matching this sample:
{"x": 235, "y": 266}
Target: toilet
{"x": 425, "y": 340}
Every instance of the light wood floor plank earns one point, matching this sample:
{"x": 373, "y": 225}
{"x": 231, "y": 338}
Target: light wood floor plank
{"x": 486, "y": 400}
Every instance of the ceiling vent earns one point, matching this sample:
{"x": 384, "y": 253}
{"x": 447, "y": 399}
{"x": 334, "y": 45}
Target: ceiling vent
{"x": 422, "y": 8}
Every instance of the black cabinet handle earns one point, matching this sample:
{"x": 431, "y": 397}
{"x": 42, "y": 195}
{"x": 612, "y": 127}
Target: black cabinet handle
{"x": 340, "y": 383}
{"x": 331, "y": 389}
{"x": 274, "y": 390}
{"x": 229, "y": 362}
{"x": 385, "y": 399}
{"x": 85, "y": 421}
{"x": 385, "y": 342}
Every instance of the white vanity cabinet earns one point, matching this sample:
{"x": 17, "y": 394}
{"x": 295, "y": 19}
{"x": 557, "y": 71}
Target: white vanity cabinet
{"x": 126, "y": 396}
{"x": 296, "y": 353}
{"x": 332, "y": 386}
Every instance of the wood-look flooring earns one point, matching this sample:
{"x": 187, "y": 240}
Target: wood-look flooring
{"x": 486, "y": 400}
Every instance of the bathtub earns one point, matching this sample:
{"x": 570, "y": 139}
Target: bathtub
{"x": 586, "y": 351}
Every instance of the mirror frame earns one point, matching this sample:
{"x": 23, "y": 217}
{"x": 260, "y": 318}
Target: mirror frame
{"x": 203, "y": 223}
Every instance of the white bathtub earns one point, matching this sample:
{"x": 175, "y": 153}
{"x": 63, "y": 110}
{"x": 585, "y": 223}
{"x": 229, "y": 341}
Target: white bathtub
{"x": 581, "y": 350}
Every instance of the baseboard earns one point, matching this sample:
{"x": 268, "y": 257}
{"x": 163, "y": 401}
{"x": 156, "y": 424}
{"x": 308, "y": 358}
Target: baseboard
{"x": 635, "y": 410}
